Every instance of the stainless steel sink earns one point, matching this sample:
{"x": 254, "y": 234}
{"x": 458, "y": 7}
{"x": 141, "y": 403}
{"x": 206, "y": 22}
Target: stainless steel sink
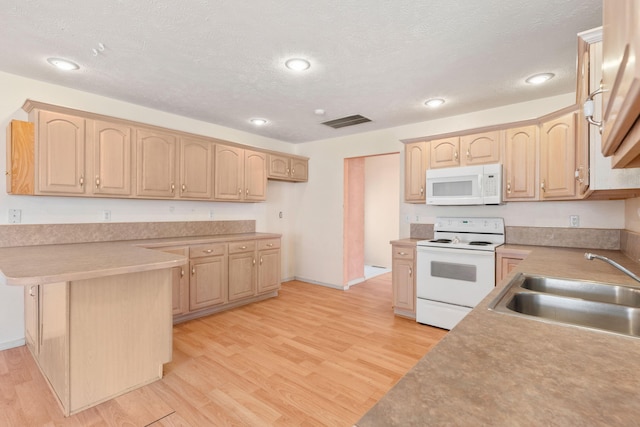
{"x": 605, "y": 307}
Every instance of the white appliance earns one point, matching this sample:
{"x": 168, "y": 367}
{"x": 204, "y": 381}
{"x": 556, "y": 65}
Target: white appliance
{"x": 456, "y": 269}
{"x": 466, "y": 185}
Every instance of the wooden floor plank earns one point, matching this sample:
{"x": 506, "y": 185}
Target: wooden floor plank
{"x": 313, "y": 356}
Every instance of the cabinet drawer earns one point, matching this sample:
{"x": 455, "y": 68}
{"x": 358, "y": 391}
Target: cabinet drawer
{"x": 268, "y": 244}
{"x": 199, "y": 251}
{"x": 239, "y": 247}
{"x": 403, "y": 252}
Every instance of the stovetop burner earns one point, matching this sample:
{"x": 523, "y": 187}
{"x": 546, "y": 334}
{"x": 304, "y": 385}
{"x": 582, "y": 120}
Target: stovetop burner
{"x": 479, "y": 243}
{"x": 440, "y": 241}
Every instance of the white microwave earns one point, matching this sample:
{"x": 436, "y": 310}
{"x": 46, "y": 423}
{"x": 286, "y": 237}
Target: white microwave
{"x": 466, "y": 185}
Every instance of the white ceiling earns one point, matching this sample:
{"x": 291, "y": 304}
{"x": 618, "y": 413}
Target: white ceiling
{"x": 223, "y": 61}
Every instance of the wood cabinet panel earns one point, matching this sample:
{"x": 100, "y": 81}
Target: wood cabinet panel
{"x": 20, "y": 158}
{"x": 229, "y": 172}
{"x": 416, "y": 160}
{"x": 196, "y": 169}
{"x": 179, "y": 283}
{"x": 521, "y": 163}
{"x": 299, "y": 169}
{"x": 268, "y": 270}
{"x": 403, "y": 279}
{"x": 444, "y": 153}
{"x": 32, "y": 318}
{"x": 558, "y": 157}
{"x": 279, "y": 167}
{"x": 207, "y": 283}
{"x": 255, "y": 175}
{"x": 61, "y": 145}
{"x": 479, "y": 149}
{"x": 111, "y": 146}
{"x": 242, "y": 275}
{"x": 287, "y": 168}
{"x": 156, "y": 166}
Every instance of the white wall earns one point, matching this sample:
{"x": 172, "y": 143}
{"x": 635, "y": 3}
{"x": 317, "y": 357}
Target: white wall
{"x": 381, "y": 207}
{"x": 46, "y": 210}
{"x": 319, "y": 253}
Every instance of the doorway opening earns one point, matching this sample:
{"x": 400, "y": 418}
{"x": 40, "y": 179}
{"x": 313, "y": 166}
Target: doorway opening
{"x": 371, "y": 215}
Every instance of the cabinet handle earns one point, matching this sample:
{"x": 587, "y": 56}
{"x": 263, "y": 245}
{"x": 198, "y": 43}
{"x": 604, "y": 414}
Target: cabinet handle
{"x": 247, "y": 192}
{"x": 455, "y": 155}
{"x": 468, "y": 155}
{"x": 288, "y": 171}
{"x": 509, "y": 187}
{"x": 32, "y": 291}
{"x": 208, "y": 251}
{"x": 97, "y": 182}
{"x": 173, "y": 187}
{"x": 269, "y": 245}
{"x": 81, "y": 181}
{"x": 182, "y": 272}
{"x": 239, "y": 191}
{"x": 402, "y": 253}
{"x": 543, "y": 187}
{"x": 243, "y": 247}
{"x": 578, "y": 174}
{"x": 193, "y": 270}
{"x": 260, "y": 260}
{"x": 421, "y": 190}
{"x": 184, "y": 188}
{"x": 410, "y": 271}
{"x": 293, "y": 171}
{"x": 589, "y": 108}
{"x": 254, "y": 261}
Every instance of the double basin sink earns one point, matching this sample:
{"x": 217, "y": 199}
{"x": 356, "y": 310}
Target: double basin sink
{"x": 599, "y": 306}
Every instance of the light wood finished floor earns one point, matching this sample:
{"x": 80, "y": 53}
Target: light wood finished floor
{"x": 314, "y": 356}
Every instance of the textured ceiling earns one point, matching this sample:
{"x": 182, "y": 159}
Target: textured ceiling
{"x": 223, "y": 61}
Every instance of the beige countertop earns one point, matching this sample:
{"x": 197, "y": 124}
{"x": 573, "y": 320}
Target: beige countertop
{"x": 31, "y": 265}
{"x": 501, "y": 370}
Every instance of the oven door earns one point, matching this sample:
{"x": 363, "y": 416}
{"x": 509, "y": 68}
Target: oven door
{"x": 454, "y": 276}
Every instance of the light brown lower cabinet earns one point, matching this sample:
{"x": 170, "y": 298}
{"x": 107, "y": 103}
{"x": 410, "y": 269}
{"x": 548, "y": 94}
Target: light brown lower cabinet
{"x": 224, "y": 275}
{"x": 508, "y": 259}
{"x": 95, "y": 339}
{"x": 404, "y": 279}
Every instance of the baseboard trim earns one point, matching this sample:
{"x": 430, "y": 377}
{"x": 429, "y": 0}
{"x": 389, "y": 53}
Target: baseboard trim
{"x": 327, "y": 285}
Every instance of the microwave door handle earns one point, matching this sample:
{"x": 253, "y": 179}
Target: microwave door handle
{"x": 480, "y": 185}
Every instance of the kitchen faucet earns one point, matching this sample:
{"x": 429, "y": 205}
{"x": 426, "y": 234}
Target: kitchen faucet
{"x": 591, "y": 256}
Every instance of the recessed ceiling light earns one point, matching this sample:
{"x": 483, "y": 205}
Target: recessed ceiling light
{"x": 297, "y": 64}
{"x": 259, "y": 122}
{"x": 536, "y": 79}
{"x": 434, "y": 102}
{"x": 63, "y": 64}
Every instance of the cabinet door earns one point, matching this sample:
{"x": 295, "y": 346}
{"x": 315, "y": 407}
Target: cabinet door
{"x": 255, "y": 175}
{"x": 268, "y": 270}
{"x": 242, "y": 275}
{"x": 403, "y": 279}
{"x": 278, "y": 167}
{"x": 208, "y": 282}
{"x": 179, "y": 283}
{"x": 444, "y": 153}
{"x": 54, "y": 336}
{"x": 558, "y": 158}
{"x": 32, "y": 318}
{"x": 299, "y": 169}
{"x": 520, "y": 163}
{"x": 156, "y": 161}
{"x": 620, "y": 71}
{"x": 196, "y": 174}
{"x": 111, "y": 144}
{"x": 61, "y": 153}
{"x": 480, "y": 148}
{"x": 415, "y": 167}
{"x": 229, "y": 173}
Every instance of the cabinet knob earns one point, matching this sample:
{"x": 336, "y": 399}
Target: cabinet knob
{"x": 239, "y": 190}
{"x": 184, "y": 188}
{"x": 243, "y": 247}
{"x": 193, "y": 270}
{"x": 421, "y": 190}
{"x": 97, "y": 182}
{"x": 247, "y": 192}
{"x": 402, "y": 253}
{"x": 182, "y": 272}
{"x": 260, "y": 260}
{"x": 288, "y": 171}
{"x": 254, "y": 261}
{"x": 32, "y": 291}
{"x": 508, "y": 187}
{"x": 81, "y": 181}
{"x": 269, "y": 245}
{"x": 410, "y": 271}
{"x": 173, "y": 187}
{"x": 455, "y": 155}
{"x": 468, "y": 155}
{"x": 542, "y": 186}
{"x": 208, "y": 251}
{"x": 578, "y": 174}
{"x": 293, "y": 171}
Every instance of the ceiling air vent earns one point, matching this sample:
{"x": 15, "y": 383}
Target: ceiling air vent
{"x": 346, "y": 121}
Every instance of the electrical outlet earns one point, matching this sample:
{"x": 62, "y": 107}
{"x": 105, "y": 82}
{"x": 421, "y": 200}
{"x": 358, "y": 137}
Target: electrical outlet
{"x": 574, "y": 220}
{"x": 106, "y": 215}
{"x": 280, "y": 215}
{"x": 15, "y": 216}
{"x": 211, "y": 214}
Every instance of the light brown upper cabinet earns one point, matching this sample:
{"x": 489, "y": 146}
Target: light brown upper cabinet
{"x": 110, "y": 147}
{"x": 61, "y": 145}
{"x": 476, "y": 149}
{"x": 156, "y": 163}
{"x": 621, "y": 82}
{"x": 196, "y": 168}
{"x": 520, "y": 163}
{"x": 558, "y": 158}
{"x": 480, "y": 149}
{"x": 444, "y": 153}
{"x": 239, "y": 174}
{"x": 416, "y": 160}
{"x": 287, "y": 168}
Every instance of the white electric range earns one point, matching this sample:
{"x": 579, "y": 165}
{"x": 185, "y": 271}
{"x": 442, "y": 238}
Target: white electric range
{"x": 456, "y": 269}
